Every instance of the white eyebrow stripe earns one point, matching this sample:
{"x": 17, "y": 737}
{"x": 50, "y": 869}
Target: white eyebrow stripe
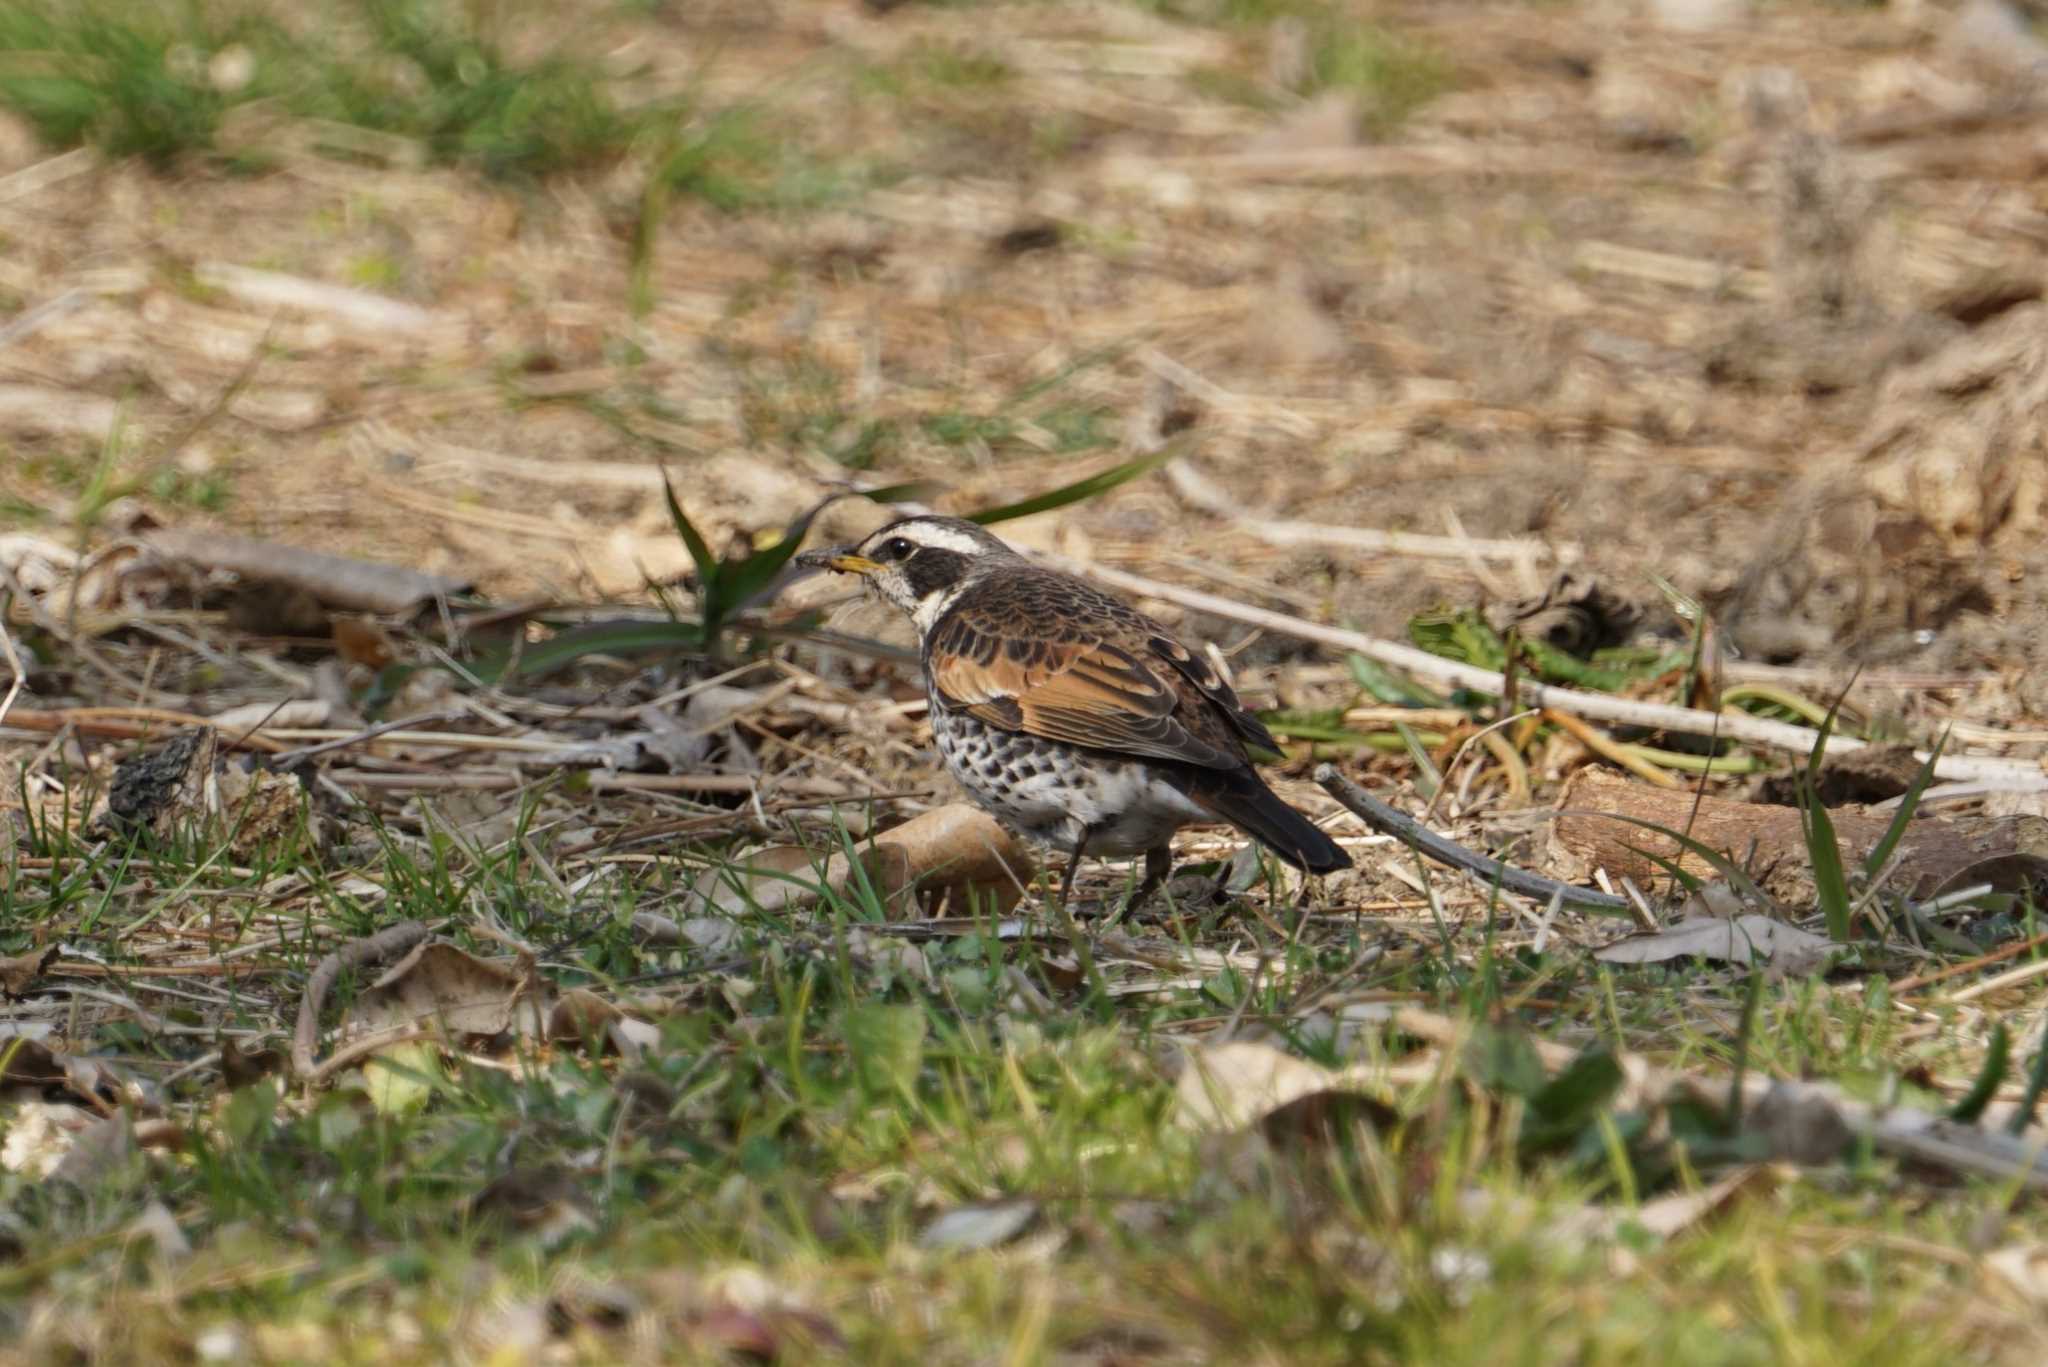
{"x": 939, "y": 538}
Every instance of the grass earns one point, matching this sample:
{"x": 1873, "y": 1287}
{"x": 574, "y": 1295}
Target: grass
{"x": 1391, "y": 73}
{"x": 158, "y": 80}
{"x": 820, "y": 1096}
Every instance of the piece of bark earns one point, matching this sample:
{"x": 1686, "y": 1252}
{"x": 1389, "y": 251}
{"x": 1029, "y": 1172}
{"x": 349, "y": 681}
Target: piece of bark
{"x": 1933, "y": 856}
{"x": 1873, "y": 774}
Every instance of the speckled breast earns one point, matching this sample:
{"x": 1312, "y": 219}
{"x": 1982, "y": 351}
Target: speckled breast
{"x": 1054, "y": 793}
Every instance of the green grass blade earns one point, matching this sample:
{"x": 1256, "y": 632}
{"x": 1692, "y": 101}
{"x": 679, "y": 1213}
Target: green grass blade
{"x": 2037, "y": 1081}
{"x": 607, "y": 638}
{"x": 1080, "y": 490}
{"x": 1428, "y": 778}
{"x": 1971, "y": 1108}
{"x": 1909, "y": 801}
{"x": 1684, "y": 877}
{"x": 1824, "y": 852}
{"x": 1387, "y": 686}
{"x": 1819, "y": 753}
{"x": 708, "y": 568}
{"x": 746, "y": 580}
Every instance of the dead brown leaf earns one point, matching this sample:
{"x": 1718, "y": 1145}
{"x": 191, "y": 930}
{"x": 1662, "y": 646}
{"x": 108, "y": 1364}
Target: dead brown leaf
{"x": 440, "y": 982}
{"x": 360, "y": 641}
{"x": 950, "y": 854}
{"x": 1231, "y": 1087}
{"x": 18, "y": 972}
{"x": 1752, "y": 938}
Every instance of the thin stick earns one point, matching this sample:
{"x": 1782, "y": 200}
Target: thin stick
{"x": 125, "y": 723}
{"x": 385, "y": 943}
{"x": 2010, "y": 775}
{"x": 1998, "y": 955}
{"x": 1381, "y": 817}
{"x": 20, "y": 679}
{"x": 494, "y": 780}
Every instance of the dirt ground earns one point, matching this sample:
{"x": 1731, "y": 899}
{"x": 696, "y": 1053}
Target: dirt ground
{"x": 1747, "y": 298}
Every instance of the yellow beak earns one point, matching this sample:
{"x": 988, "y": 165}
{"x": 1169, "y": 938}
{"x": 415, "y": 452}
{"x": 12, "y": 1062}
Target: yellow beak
{"x": 844, "y": 561}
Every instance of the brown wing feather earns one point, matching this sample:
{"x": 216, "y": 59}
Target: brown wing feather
{"x": 1204, "y": 677}
{"x": 1086, "y": 679}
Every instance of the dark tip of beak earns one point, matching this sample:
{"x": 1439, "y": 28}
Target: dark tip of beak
{"x": 821, "y": 560}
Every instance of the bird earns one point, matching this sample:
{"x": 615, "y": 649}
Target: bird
{"x": 1068, "y": 715}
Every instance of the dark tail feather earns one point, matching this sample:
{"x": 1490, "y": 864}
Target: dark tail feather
{"x": 1246, "y": 802}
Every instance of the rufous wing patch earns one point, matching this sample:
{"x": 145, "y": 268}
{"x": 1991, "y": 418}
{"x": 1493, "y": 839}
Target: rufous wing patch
{"x": 1089, "y": 693}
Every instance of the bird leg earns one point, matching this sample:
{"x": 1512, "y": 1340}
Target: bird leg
{"x": 1158, "y": 864}
{"x": 1073, "y": 867}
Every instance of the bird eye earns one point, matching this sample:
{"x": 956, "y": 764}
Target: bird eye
{"x": 898, "y": 548}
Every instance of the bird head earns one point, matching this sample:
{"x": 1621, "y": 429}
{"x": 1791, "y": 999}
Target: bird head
{"x": 918, "y": 563}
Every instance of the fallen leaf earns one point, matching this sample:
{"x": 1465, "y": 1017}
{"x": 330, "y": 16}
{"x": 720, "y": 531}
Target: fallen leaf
{"x": 443, "y": 983}
{"x": 337, "y": 581}
{"x": 403, "y": 1078}
{"x": 25, "y": 1061}
{"x": 581, "y": 1014}
{"x": 18, "y": 972}
{"x": 982, "y": 1225}
{"x": 239, "y": 1069}
{"x": 1230, "y": 1087}
{"x": 361, "y": 641}
{"x": 954, "y": 854}
{"x": 1746, "y": 939}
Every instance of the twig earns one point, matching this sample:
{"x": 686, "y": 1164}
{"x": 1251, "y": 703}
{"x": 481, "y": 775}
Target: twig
{"x": 124, "y": 723}
{"x": 33, "y": 320}
{"x": 385, "y": 943}
{"x": 2012, "y": 977}
{"x": 285, "y": 759}
{"x": 1998, "y": 955}
{"x": 2010, "y": 775}
{"x": 494, "y": 780}
{"x": 20, "y": 679}
{"x": 1383, "y": 818}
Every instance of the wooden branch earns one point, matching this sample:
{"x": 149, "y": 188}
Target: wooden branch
{"x": 1597, "y": 828}
{"x": 1387, "y": 821}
